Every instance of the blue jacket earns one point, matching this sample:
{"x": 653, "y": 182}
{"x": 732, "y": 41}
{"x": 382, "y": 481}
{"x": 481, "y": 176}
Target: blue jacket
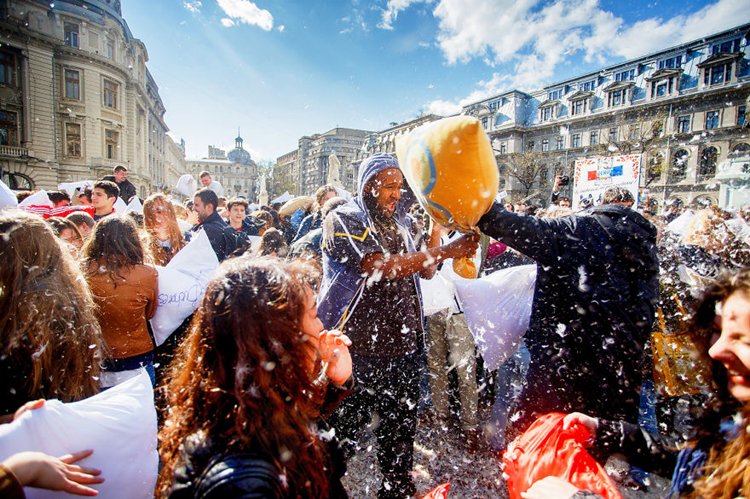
{"x": 343, "y": 282}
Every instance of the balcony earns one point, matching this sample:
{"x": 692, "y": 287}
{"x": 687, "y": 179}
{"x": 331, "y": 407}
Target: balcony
{"x": 13, "y": 152}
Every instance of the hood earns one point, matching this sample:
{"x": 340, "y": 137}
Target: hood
{"x": 370, "y": 167}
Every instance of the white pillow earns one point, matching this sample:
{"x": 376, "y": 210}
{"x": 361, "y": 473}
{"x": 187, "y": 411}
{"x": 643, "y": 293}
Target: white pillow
{"x": 119, "y": 424}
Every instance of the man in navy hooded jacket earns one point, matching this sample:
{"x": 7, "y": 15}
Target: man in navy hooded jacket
{"x": 371, "y": 290}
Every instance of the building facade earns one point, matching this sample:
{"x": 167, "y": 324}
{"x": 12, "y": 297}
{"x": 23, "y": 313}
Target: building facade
{"x": 236, "y": 172}
{"x": 683, "y": 109}
{"x": 76, "y": 98}
{"x": 315, "y": 153}
{"x": 285, "y": 174}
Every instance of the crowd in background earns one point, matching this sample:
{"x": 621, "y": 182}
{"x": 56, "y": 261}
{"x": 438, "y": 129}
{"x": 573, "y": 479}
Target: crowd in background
{"x": 314, "y": 323}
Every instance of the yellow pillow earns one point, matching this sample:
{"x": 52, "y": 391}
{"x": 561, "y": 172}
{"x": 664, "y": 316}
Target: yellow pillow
{"x": 450, "y": 166}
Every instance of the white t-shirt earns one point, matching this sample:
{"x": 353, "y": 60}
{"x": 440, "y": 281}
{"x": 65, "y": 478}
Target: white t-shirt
{"x": 216, "y": 187}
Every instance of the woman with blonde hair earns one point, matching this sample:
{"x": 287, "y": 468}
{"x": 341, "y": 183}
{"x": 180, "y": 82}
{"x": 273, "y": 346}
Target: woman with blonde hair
{"x": 165, "y": 236}
{"x": 51, "y": 345}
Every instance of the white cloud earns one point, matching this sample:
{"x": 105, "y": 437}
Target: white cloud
{"x": 226, "y": 22}
{"x": 281, "y": 28}
{"x": 390, "y": 13}
{"x": 193, "y": 6}
{"x": 246, "y": 12}
{"x": 532, "y": 39}
{"x": 650, "y": 35}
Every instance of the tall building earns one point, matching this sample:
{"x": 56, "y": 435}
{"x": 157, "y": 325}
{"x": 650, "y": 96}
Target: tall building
{"x": 683, "y": 109}
{"x": 314, "y": 153}
{"x": 76, "y": 98}
{"x": 286, "y": 173}
{"x": 237, "y": 172}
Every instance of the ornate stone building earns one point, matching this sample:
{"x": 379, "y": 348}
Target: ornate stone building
{"x": 76, "y": 98}
{"x": 684, "y": 109}
{"x": 236, "y": 172}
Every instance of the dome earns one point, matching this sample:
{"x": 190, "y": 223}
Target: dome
{"x": 239, "y": 155}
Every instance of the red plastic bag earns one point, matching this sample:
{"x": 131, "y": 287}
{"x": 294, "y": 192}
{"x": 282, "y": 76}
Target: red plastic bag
{"x": 439, "y": 492}
{"x": 545, "y": 449}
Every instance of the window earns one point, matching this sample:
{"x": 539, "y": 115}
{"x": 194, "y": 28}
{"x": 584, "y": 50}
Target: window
{"x": 503, "y": 148}
{"x": 627, "y": 75}
{"x": 588, "y": 86}
{"x": 617, "y": 97}
{"x": 530, "y": 145}
{"x": 742, "y": 115}
{"x": 679, "y": 165}
{"x": 546, "y": 113}
{"x": 716, "y": 75}
{"x": 579, "y": 107}
{"x": 484, "y": 122}
{"x": 661, "y": 88}
{"x": 110, "y": 49}
{"x": 7, "y": 69}
{"x": 707, "y": 166}
{"x": 73, "y": 140}
{"x": 712, "y": 120}
{"x": 635, "y": 132}
{"x": 71, "y": 35}
{"x": 72, "y": 84}
{"x": 613, "y": 134}
{"x": 683, "y": 124}
{"x": 8, "y": 128}
{"x": 671, "y": 63}
{"x": 111, "y": 143}
{"x": 560, "y": 143}
{"x": 545, "y": 145}
{"x": 726, "y": 47}
{"x": 110, "y": 94}
{"x": 594, "y": 138}
{"x": 555, "y": 94}
{"x": 495, "y": 105}
{"x": 575, "y": 140}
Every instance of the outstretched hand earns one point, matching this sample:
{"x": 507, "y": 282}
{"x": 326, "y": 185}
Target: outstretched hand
{"x": 463, "y": 247}
{"x": 35, "y": 469}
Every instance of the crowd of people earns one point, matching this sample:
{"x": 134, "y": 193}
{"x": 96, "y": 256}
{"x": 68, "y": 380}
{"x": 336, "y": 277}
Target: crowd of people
{"x": 314, "y": 329}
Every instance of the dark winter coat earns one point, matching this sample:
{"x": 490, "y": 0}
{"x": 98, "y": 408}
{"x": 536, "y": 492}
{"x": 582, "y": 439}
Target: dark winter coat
{"x": 222, "y": 236}
{"x": 127, "y": 189}
{"x": 594, "y": 304}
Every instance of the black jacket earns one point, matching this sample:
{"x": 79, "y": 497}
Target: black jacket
{"x": 206, "y": 474}
{"x": 127, "y": 189}
{"x": 224, "y": 239}
{"x": 594, "y": 305}
{"x": 207, "y": 471}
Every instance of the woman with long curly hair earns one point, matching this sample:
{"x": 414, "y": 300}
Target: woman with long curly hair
{"x": 715, "y": 463}
{"x": 249, "y": 386}
{"x": 51, "y": 345}
{"x": 125, "y": 291}
{"x": 165, "y": 236}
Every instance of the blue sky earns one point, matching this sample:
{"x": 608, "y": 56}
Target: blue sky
{"x": 284, "y": 69}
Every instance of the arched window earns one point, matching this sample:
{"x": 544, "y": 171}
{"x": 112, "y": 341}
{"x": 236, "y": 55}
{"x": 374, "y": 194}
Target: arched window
{"x": 707, "y": 166}
{"x": 741, "y": 149}
{"x": 679, "y": 165}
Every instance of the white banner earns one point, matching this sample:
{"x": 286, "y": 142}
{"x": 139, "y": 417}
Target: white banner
{"x": 593, "y": 176}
